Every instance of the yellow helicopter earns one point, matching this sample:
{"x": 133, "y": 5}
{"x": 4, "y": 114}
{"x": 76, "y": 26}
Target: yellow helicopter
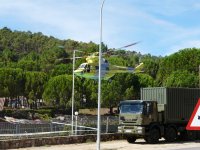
{"x": 90, "y": 68}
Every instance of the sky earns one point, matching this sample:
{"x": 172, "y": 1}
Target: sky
{"x": 162, "y": 27}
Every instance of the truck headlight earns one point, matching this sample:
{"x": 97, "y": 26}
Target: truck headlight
{"x": 139, "y": 130}
{"x": 119, "y": 129}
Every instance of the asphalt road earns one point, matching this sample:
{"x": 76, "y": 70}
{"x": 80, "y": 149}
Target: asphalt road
{"x": 123, "y": 145}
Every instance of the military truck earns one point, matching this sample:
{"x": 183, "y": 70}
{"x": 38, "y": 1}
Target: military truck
{"x": 160, "y": 113}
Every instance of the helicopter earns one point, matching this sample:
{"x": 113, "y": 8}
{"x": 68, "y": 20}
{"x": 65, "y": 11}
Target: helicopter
{"x": 90, "y": 68}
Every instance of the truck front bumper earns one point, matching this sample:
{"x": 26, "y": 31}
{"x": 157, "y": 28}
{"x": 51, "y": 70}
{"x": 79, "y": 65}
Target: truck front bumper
{"x": 135, "y": 130}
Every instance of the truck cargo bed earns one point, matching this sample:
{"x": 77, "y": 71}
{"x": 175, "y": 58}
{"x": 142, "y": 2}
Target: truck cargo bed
{"x": 178, "y": 103}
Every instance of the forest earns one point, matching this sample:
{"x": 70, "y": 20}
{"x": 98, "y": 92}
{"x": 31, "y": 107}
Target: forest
{"x": 38, "y": 68}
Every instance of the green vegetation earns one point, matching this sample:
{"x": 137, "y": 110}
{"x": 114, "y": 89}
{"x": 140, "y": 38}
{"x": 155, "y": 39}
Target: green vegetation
{"x": 38, "y": 69}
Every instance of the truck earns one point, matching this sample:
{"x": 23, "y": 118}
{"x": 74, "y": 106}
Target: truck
{"x": 159, "y": 113}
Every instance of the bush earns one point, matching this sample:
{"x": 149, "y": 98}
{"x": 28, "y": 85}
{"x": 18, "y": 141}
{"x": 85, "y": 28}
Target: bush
{"x": 48, "y": 112}
{"x": 16, "y": 113}
{"x": 44, "y": 113}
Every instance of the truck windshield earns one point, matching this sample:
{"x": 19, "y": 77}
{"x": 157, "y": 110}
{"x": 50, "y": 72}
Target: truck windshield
{"x": 135, "y": 108}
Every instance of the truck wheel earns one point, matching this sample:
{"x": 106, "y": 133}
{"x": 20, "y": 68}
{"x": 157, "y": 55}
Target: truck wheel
{"x": 170, "y": 134}
{"x": 153, "y": 136}
{"x": 131, "y": 139}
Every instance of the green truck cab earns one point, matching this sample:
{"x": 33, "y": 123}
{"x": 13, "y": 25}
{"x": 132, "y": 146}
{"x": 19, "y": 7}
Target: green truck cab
{"x": 139, "y": 119}
{"x": 162, "y": 113}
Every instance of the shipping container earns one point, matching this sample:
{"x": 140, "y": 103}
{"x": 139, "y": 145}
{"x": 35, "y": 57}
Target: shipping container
{"x": 178, "y": 103}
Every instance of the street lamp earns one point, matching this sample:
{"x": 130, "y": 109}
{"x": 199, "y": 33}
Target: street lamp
{"x": 99, "y": 82}
{"x": 74, "y": 57}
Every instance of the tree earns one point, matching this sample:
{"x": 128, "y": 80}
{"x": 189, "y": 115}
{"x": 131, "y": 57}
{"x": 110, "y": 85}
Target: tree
{"x": 186, "y": 59}
{"x": 30, "y": 62}
{"x": 116, "y": 60}
{"x": 111, "y": 94}
{"x": 49, "y": 58}
{"x": 27, "y": 65}
{"x": 34, "y": 85}
{"x": 89, "y": 88}
{"x": 182, "y": 78}
{"x": 130, "y": 93}
{"x": 12, "y": 81}
{"x": 145, "y": 80}
{"x": 8, "y": 56}
{"x": 58, "y": 91}
{"x": 151, "y": 66}
{"x": 62, "y": 69}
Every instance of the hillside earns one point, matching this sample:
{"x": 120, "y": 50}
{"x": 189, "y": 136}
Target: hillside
{"x": 36, "y": 67}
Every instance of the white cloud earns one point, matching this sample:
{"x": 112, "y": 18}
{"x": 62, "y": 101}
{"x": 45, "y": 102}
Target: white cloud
{"x": 65, "y": 19}
{"x": 123, "y": 22}
{"x": 183, "y": 45}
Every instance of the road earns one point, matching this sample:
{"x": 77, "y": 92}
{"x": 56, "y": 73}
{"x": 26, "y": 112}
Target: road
{"x": 123, "y": 145}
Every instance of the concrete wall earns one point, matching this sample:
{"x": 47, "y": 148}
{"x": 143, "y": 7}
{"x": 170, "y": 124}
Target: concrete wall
{"x": 22, "y": 143}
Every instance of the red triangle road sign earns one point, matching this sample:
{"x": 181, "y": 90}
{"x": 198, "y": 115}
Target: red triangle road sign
{"x": 194, "y": 122}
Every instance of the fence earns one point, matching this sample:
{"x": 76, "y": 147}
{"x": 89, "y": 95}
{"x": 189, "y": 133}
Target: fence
{"x": 108, "y": 123}
{"x": 85, "y": 125}
{"x": 8, "y": 128}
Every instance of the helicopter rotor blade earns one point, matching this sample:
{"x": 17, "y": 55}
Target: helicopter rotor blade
{"x": 68, "y": 58}
{"x": 129, "y": 45}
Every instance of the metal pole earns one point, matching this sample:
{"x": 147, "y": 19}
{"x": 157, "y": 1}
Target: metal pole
{"x": 107, "y": 124}
{"x": 74, "y": 58}
{"x": 99, "y": 83}
{"x": 76, "y": 125}
{"x": 73, "y": 93}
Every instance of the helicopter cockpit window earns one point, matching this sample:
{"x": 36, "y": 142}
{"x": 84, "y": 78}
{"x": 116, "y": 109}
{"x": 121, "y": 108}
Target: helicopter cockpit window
{"x": 82, "y": 66}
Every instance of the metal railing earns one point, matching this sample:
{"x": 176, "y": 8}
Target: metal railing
{"x": 19, "y": 131}
{"x": 108, "y": 123}
{"x": 17, "y": 128}
{"x": 85, "y": 125}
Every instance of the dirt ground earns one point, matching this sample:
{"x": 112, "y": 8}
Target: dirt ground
{"x": 123, "y": 145}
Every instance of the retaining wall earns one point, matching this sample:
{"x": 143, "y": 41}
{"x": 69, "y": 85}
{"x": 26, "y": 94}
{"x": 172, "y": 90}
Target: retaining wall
{"x": 22, "y": 143}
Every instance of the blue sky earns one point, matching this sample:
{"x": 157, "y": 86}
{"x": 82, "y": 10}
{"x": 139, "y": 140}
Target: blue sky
{"x": 163, "y": 27}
